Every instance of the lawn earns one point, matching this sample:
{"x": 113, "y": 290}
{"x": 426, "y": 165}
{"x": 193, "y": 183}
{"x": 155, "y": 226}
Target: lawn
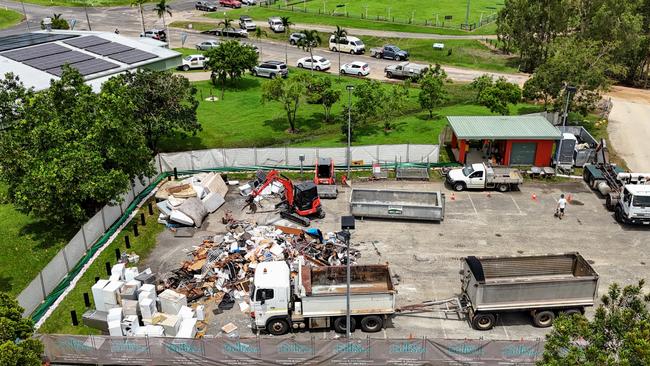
{"x": 27, "y": 245}
{"x": 59, "y": 321}
{"x": 458, "y": 52}
{"x": 241, "y": 120}
{"x": 9, "y": 18}
{"x": 89, "y": 3}
{"x": 263, "y": 13}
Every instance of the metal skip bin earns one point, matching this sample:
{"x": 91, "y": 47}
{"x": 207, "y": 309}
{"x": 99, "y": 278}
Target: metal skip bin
{"x": 389, "y": 203}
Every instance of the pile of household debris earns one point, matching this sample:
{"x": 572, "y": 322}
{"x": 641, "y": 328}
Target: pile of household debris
{"x": 187, "y": 202}
{"x": 221, "y": 267}
{"x": 128, "y": 304}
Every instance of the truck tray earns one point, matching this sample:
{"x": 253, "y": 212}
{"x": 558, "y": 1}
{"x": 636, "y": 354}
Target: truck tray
{"x": 388, "y": 203}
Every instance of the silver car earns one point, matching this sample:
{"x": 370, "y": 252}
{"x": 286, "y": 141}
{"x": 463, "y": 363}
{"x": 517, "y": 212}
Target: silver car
{"x": 206, "y": 45}
{"x": 271, "y": 69}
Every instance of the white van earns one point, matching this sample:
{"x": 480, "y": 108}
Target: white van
{"x": 348, "y": 44}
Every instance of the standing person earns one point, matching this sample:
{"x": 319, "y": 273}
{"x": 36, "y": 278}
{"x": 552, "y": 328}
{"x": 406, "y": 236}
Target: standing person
{"x": 561, "y": 205}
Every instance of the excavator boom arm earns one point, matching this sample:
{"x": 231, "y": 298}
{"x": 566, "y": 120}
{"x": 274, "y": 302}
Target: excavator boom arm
{"x": 271, "y": 177}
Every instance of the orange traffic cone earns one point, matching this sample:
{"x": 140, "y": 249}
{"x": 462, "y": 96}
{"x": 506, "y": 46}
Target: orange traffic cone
{"x": 533, "y": 197}
{"x": 489, "y": 194}
{"x": 569, "y": 198}
{"x": 453, "y": 196}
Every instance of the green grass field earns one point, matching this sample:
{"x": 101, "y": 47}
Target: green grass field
{"x": 262, "y": 14}
{"x": 59, "y": 321}
{"x": 9, "y": 18}
{"x": 241, "y": 120}
{"x": 27, "y": 245}
{"x": 88, "y": 3}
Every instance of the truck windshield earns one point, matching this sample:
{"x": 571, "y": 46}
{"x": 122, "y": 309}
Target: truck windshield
{"x": 468, "y": 170}
{"x": 641, "y": 201}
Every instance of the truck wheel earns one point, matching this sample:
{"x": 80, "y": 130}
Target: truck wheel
{"x": 503, "y": 188}
{"x": 186, "y": 68}
{"x": 459, "y": 186}
{"x": 333, "y": 49}
{"x": 340, "y": 323}
{"x": 544, "y": 318}
{"x": 572, "y": 312}
{"x": 371, "y": 324}
{"x": 277, "y": 326}
{"x": 389, "y": 74}
{"x": 483, "y": 321}
{"x": 396, "y": 58}
{"x": 618, "y": 215}
{"x": 609, "y": 203}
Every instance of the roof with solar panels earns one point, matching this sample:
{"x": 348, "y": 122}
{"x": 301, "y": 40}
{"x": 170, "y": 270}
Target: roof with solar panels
{"x": 38, "y": 57}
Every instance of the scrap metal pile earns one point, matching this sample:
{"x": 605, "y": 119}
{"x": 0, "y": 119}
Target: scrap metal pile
{"x": 222, "y": 266}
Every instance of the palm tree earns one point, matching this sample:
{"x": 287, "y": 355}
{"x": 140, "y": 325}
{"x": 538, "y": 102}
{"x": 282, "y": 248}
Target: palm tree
{"x": 309, "y": 42}
{"x": 226, "y": 24}
{"x": 139, "y": 3}
{"x": 161, "y": 9}
{"x": 339, "y": 34}
{"x": 286, "y": 23}
{"x": 259, "y": 33}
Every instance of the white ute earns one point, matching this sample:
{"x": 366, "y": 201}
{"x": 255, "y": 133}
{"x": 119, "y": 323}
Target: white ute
{"x": 481, "y": 176}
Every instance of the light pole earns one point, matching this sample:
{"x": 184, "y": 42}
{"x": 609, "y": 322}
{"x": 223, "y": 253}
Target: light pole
{"x": 347, "y": 224}
{"x": 25, "y": 14}
{"x": 349, "y": 88}
{"x": 568, "y": 89}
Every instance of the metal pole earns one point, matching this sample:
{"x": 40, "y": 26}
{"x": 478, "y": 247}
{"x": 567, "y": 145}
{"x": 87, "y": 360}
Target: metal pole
{"x": 87, "y": 18}
{"x": 25, "y": 14}
{"x": 347, "y": 292}
{"x": 349, "y": 87}
{"x": 568, "y": 90}
{"x": 467, "y": 14}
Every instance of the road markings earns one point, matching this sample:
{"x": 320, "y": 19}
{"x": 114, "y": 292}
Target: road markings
{"x": 470, "y": 200}
{"x": 516, "y": 205}
{"x": 504, "y": 328}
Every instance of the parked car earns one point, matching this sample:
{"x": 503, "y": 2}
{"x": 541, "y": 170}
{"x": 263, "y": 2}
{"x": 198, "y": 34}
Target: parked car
{"x": 389, "y": 51}
{"x": 254, "y": 47}
{"x": 194, "y": 62}
{"x": 317, "y": 63}
{"x": 227, "y": 32}
{"x": 246, "y": 22}
{"x": 205, "y": 6}
{"x": 275, "y": 23}
{"x": 249, "y": 2}
{"x": 206, "y": 45}
{"x": 295, "y": 37}
{"x": 271, "y": 69}
{"x": 405, "y": 70}
{"x": 358, "y": 68}
{"x": 230, "y": 3}
{"x": 349, "y": 44}
{"x": 157, "y": 34}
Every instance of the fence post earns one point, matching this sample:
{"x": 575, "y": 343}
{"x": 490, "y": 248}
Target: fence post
{"x": 286, "y": 155}
{"x": 65, "y": 259}
{"x": 223, "y": 155}
{"x": 191, "y": 159}
{"x": 40, "y": 275}
{"x": 424, "y": 347}
{"x": 408, "y": 150}
{"x": 104, "y": 218}
{"x": 159, "y": 162}
{"x": 83, "y": 233}
{"x": 255, "y": 155}
{"x": 378, "y": 159}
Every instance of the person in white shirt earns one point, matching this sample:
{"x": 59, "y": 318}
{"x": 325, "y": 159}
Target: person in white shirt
{"x": 561, "y": 205}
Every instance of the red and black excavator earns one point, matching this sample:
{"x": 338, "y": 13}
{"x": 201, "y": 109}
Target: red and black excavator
{"x": 300, "y": 200}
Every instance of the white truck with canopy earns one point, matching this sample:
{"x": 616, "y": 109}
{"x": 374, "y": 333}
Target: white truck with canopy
{"x": 481, "y": 176}
{"x": 315, "y": 297}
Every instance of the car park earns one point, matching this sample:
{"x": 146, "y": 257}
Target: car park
{"x": 206, "y": 45}
{"x": 275, "y": 23}
{"x": 230, "y": 3}
{"x": 358, "y": 68}
{"x": 317, "y": 63}
{"x": 205, "y": 6}
{"x": 349, "y": 44}
{"x": 157, "y": 34}
{"x": 246, "y": 22}
{"x": 295, "y": 37}
{"x": 271, "y": 69}
{"x": 194, "y": 62}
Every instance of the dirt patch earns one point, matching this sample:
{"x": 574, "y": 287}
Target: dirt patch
{"x": 630, "y": 94}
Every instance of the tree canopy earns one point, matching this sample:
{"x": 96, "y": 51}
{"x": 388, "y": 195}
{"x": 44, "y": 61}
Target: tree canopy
{"x": 17, "y": 348}
{"x": 432, "y": 89}
{"x": 229, "y": 61}
{"x": 496, "y": 94}
{"x": 289, "y": 92}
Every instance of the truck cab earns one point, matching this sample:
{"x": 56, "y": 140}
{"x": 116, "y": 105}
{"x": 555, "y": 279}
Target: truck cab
{"x": 634, "y": 205}
{"x": 481, "y": 176}
{"x": 471, "y": 176}
{"x": 269, "y": 297}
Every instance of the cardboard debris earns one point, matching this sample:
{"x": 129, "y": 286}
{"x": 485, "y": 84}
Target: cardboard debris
{"x": 229, "y": 328}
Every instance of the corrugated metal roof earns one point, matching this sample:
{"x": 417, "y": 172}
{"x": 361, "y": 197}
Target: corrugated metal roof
{"x": 503, "y": 127}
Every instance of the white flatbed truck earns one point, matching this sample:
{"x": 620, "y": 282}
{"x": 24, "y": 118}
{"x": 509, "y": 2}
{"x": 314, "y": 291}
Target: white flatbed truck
{"x": 481, "y": 176}
{"x": 316, "y": 297}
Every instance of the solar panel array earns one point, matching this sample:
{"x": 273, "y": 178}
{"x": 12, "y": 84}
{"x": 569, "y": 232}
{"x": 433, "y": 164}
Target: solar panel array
{"x": 30, "y": 39}
{"x": 51, "y": 57}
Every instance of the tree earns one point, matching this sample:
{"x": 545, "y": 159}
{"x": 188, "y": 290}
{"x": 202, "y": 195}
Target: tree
{"x": 339, "y": 34}
{"x": 57, "y": 22}
{"x": 258, "y": 35}
{"x": 17, "y": 347}
{"x": 139, "y": 4}
{"x": 320, "y": 91}
{"x": 394, "y": 104}
{"x": 310, "y": 41}
{"x": 226, "y": 24}
{"x": 164, "y": 104}
{"x": 498, "y": 95}
{"x": 230, "y": 60}
{"x": 161, "y": 9}
{"x": 72, "y": 151}
{"x": 618, "y": 335}
{"x": 286, "y": 23}
{"x": 13, "y": 99}
{"x": 289, "y": 92}
{"x": 432, "y": 89}
{"x": 481, "y": 83}
{"x": 367, "y": 105}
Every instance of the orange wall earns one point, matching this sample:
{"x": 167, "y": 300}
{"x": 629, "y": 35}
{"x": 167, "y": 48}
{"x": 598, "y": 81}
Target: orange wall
{"x": 543, "y": 151}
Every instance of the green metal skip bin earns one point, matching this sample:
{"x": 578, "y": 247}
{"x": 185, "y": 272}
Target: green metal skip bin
{"x": 396, "y": 204}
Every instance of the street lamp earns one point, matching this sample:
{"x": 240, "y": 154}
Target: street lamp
{"x": 347, "y": 224}
{"x": 349, "y": 88}
{"x": 568, "y": 90}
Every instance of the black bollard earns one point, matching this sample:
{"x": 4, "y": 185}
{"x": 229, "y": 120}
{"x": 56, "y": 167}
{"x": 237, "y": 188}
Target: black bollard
{"x": 150, "y": 208}
{"x": 108, "y": 268}
{"x": 86, "y": 299}
{"x": 127, "y": 241}
{"x": 175, "y": 173}
{"x": 73, "y": 316}
{"x": 118, "y": 254}
{"x": 142, "y": 222}
{"x": 96, "y": 279}
{"x": 135, "y": 229}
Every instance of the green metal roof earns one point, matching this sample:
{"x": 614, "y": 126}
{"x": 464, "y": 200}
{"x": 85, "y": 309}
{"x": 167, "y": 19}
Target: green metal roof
{"x": 503, "y": 128}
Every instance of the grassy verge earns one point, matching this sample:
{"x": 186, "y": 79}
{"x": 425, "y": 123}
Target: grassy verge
{"x": 458, "y": 52}
{"x": 262, "y": 14}
{"x": 241, "y": 120}
{"x": 27, "y": 245}
{"x": 59, "y": 321}
{"x": 79, "y": 3}
{"x": 9, "y": 18}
